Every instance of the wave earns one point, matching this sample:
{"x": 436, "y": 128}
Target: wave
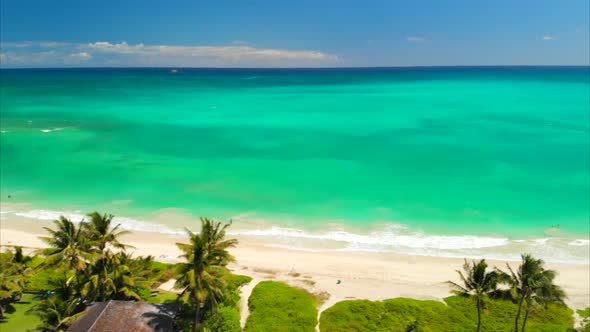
{"x": 126, "y": 223}
{"x": 54, "y": 129}
{"x": 580, "y": 243}
{"x": 392, "y": 238}
{"x": 386, "y": 238}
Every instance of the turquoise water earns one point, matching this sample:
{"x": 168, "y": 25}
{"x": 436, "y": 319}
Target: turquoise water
{"x": 446, "y": 151}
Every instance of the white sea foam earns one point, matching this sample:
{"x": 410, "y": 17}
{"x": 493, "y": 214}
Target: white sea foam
{"x": 541, "y": 241}
{"x": 580, "y": 243}
{"x": 54, "y": 129}
{"x": 126, "y": 223}
{"x": 385, "y": 238}
{"x": 391, "y": 238}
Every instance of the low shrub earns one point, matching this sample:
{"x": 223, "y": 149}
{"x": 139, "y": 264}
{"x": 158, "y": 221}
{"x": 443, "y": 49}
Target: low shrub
{"x": 276, "y": 306}
{"x": 459, "y": 314}
{"x": 225, "y": 319}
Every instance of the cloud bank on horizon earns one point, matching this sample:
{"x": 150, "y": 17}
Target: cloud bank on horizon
{"x": 107, "y": 54}
{"x": 304, "y": 33}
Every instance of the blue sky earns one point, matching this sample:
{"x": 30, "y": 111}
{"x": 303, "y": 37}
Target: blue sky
{"x": 296, "y": 33}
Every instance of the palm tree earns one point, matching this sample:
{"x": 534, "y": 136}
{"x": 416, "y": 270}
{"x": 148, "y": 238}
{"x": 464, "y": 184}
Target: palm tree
{"x": 532, "y": 284}
{"x": 102, "y": 234}
{"x": 14, "y": 272}
{"x": 476, "y": 282}
{"x": 200, "y": 276}
{"x": 67, "y": 243}
{"x": 100, "y": 282}
{"x": 110, "y": 278}
{"x": 55, "y": 313}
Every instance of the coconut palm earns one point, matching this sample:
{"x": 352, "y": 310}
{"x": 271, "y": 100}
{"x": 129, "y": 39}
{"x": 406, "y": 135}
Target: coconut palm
{"x": 201, "y": 276}
{"x": 127, "y": 280}
{"x": 12, "y": 281}
{"x": 101, "y": 276}
{"x": 67, "y": 243}
{"x": 55, "y": 313}
{"x": 102, "y": 234}
{"x": 14, "y": 271}
{"x": 533, "y": 284}
{"x": 110, "y": 278}
{"x": 477, "y": 282}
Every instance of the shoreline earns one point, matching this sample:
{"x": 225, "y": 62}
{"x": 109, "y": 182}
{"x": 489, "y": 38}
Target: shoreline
{"x": 553, "y": 246}
{"x": 363, "y": 275}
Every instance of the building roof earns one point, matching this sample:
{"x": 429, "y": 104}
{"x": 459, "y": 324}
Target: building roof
{"x": 126, "y": 316}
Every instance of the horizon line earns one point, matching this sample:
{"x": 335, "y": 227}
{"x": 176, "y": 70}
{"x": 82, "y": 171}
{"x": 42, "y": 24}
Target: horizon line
{"x": 282, "y": 68}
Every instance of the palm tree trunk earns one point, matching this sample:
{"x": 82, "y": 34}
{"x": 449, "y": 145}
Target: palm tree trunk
{"x": 479, "y": 305}
{"x": 101, "y": 288}
{"x": 518, "y": 313}
{"x": 197, "y": 325}
{"x": 526, "y": 315}
{"x": 78, "y": 286}
{"x": 101, "y": 293}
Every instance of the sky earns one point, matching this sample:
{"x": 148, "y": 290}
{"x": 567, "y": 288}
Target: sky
{"x": 295, "y": 33}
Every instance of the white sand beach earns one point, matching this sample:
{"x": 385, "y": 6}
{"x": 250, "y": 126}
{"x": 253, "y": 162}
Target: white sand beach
{"x": 362, "y": 275}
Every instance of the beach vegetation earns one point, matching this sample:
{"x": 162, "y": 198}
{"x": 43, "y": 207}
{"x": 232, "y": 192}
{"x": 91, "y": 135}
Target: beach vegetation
{"x": 224, "y": 319}
{"x": 16, "y": 320}
{"x": 233, "y": 282}
{"x": 56, "y": 313}
{"x": 456, "y": 314}
{"x": 584, "y": 319}
{"x": 201, "y": 276}
{"x": 86, "y": 262}
{"x": 478, "y": 283}
{"x": 68, "y": 243}
{"x": 276, "y": 306}
{"x": 531, "y": 286}
{"x": 14, "y": 270}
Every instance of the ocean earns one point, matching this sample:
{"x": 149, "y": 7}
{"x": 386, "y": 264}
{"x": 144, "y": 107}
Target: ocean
{"x": 462, "y": 161}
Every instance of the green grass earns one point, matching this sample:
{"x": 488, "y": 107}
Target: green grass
{"x": 458, "y": 315}
{"x": 163, "y": 297}
{"x": 276, "y": 306}
{"x": 18, "y": 321}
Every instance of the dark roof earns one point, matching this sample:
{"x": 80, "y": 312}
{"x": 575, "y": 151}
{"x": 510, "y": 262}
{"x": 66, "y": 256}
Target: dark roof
{"x": 126, "y": 316}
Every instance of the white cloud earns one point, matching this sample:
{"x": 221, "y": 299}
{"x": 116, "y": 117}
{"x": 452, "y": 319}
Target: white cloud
{"x": 239, "y": 42}
{"x": 76, "y": 58}
{"x": 548, "y": 37}
{"x": 416, "y": 39}
{"x": 224, "y": 52}
{"x": 239, "y": 53}
{"x": 121, "y": 48}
